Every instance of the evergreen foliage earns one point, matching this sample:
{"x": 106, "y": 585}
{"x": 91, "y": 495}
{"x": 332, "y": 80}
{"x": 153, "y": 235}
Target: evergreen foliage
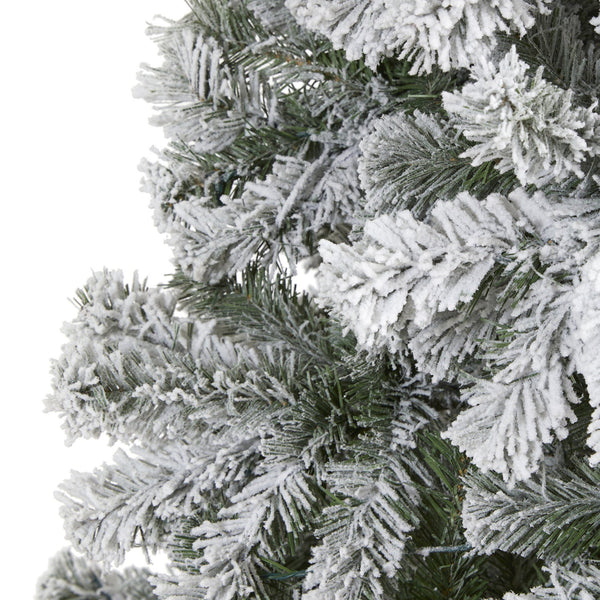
{"x": 408, "y": 161}
{"x": 73, "y": 578}
{"x": 449, "y": 34}
{"x": 553, "y": 516}
{"x": 424, "y": 423}
{"x": 526, "y": 125}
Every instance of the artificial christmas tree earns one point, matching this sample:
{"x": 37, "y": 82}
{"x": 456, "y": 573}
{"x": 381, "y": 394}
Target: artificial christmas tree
{"x": 426, "y": 422}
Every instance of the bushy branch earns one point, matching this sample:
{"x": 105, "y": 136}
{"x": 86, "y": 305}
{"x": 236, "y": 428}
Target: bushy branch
{"x": 70, "y": 577}
{"x": 409, "y": 161}
{"x": 522, "y": 123}
{"x": 555, "y": 515}
{"x": 449, "y": 35}
{"x": 580, "y": 584}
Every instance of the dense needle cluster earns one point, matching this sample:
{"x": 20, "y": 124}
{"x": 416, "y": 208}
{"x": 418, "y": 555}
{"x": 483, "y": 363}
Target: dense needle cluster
{"x": 422, "y": 424}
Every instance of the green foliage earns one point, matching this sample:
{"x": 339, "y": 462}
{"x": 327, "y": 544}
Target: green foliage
{"x": 289, "y": 68}
{"x": 411, "y": 161}
{"x": 422, "y": 92}
{"x": 335, "y": 421}
{"x": 266, "y": 310}
{"x": 554, "y": 516}
{"x": 440, "y": 561}
{"x": 275, "y": 455}
{"x": 557, "y": 42}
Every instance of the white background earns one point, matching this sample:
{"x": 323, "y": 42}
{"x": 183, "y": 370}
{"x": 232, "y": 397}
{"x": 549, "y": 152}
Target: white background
{"x": 72, "y": 137}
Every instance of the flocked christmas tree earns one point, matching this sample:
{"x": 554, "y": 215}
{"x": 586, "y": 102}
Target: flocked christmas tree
{"x": 425, "y": 422}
